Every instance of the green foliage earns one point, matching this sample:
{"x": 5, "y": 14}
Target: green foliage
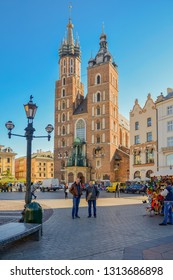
{"x": 5, "y": 180}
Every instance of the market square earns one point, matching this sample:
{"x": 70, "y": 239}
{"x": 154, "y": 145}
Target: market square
{"x": 122, "y": 230}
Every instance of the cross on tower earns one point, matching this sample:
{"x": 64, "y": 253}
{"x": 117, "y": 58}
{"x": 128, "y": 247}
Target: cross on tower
{"x": 103, "y": 28}
{"x": 70, "y": 9}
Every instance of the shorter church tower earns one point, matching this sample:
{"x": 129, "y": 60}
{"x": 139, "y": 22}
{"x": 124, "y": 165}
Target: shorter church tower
{"x": 102, "y": 111}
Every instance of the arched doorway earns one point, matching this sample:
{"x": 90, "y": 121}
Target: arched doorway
{"x": 106, "y": 177}
{"x": 82, "y": 178}
{"x": 70, "y": 177}
{"x": 148, "y": 173}
{"x": 137, "y": 174}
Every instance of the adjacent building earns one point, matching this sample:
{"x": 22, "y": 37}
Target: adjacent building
{"x": 91, "y": 138}
{"x": 143, "y": 140}
{"x": 164, "y": 106}
{"x": 7, "y": 161}
{"x": 42, "y": 166}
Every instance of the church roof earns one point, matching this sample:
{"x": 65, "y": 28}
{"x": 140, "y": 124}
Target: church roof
{"x": 82, "y": 108}
{"x": 117, "y": 156}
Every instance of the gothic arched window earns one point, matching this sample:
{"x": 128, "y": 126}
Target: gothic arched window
{"x": 64, "y": 66}
{"x": 98, "y": 79}
{"x": 98, "y": 110}
{"x": 98, "y": 125}
{"x": 63, "y": 92}
{"x": 98, "y": 140}
{"x": 81, "y": 129}
{"x": 63, "y": 105}
{"x": 63, "y": 117}
{"x": 63, "y": 130}
{"x": 63, "y": 81}
{"x": 98, "y": 97}
{"x": 71, "y": 65}
{"x": 63, "y": 143}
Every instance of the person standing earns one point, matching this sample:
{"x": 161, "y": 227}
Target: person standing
{"x": 76, "y": 191}
{"x": 168, "y": 204}
{"x": 66, "y": 190}
{"x": 92, "y": 193}
{"x": 20, "y": 188}
{"x": 117, "y": 190}
{"x": 32, "y": 191}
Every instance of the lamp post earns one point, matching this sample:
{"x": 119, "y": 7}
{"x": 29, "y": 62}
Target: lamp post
{"x": 30, "y": 109}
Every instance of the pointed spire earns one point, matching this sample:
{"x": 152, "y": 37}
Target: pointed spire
{"x": 70, "y": 47}
{"x": 103, "y": 35}
{"x": 103, "y": 28}
{"x": 70, "y": 39}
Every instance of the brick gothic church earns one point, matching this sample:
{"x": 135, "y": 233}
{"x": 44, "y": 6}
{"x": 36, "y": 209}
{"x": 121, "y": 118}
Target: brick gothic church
{"x": 91, "y": 137}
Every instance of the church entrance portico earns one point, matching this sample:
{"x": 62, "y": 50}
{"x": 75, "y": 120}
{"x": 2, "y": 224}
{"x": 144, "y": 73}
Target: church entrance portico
{"x": 72, "y": 172}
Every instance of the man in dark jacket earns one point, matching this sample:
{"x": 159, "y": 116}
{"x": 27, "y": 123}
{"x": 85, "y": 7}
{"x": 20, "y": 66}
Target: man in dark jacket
{"x": 76, "y": 191}
{"x": 92, "y": 194}
{"x": 117, "y": 190}
{"x": 168, "y": 204}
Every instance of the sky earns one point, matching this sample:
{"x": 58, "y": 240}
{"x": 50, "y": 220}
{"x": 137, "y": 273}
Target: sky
{"x": 140, "y": 39}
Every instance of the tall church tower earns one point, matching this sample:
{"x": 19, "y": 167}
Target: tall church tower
{"x": 102, "y": 112}
{"x": 69, "y": 93}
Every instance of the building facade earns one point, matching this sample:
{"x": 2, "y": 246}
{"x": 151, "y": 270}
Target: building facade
{"x": 7, "y": 161}
{"x": 164, "y": 106}
{"x": 87, "y": 129}
{"x": 143, "y": 140}
{"x": 42, "y": 166}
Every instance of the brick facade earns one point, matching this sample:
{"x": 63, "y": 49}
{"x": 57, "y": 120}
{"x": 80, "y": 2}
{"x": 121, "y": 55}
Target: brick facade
{"x": 88, "y": 132}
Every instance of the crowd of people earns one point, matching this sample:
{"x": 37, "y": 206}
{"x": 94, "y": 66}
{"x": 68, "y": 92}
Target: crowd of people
{"x": 159, "y": 193}
{"x": 160, "y": 198}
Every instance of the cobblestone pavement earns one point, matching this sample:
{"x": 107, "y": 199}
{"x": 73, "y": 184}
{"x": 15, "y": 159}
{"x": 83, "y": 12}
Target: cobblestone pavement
{"x": 122, "y": 230}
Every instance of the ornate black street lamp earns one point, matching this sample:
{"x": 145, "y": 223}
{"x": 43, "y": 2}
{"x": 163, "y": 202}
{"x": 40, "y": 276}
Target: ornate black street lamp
{"x": 30, "y": 109}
